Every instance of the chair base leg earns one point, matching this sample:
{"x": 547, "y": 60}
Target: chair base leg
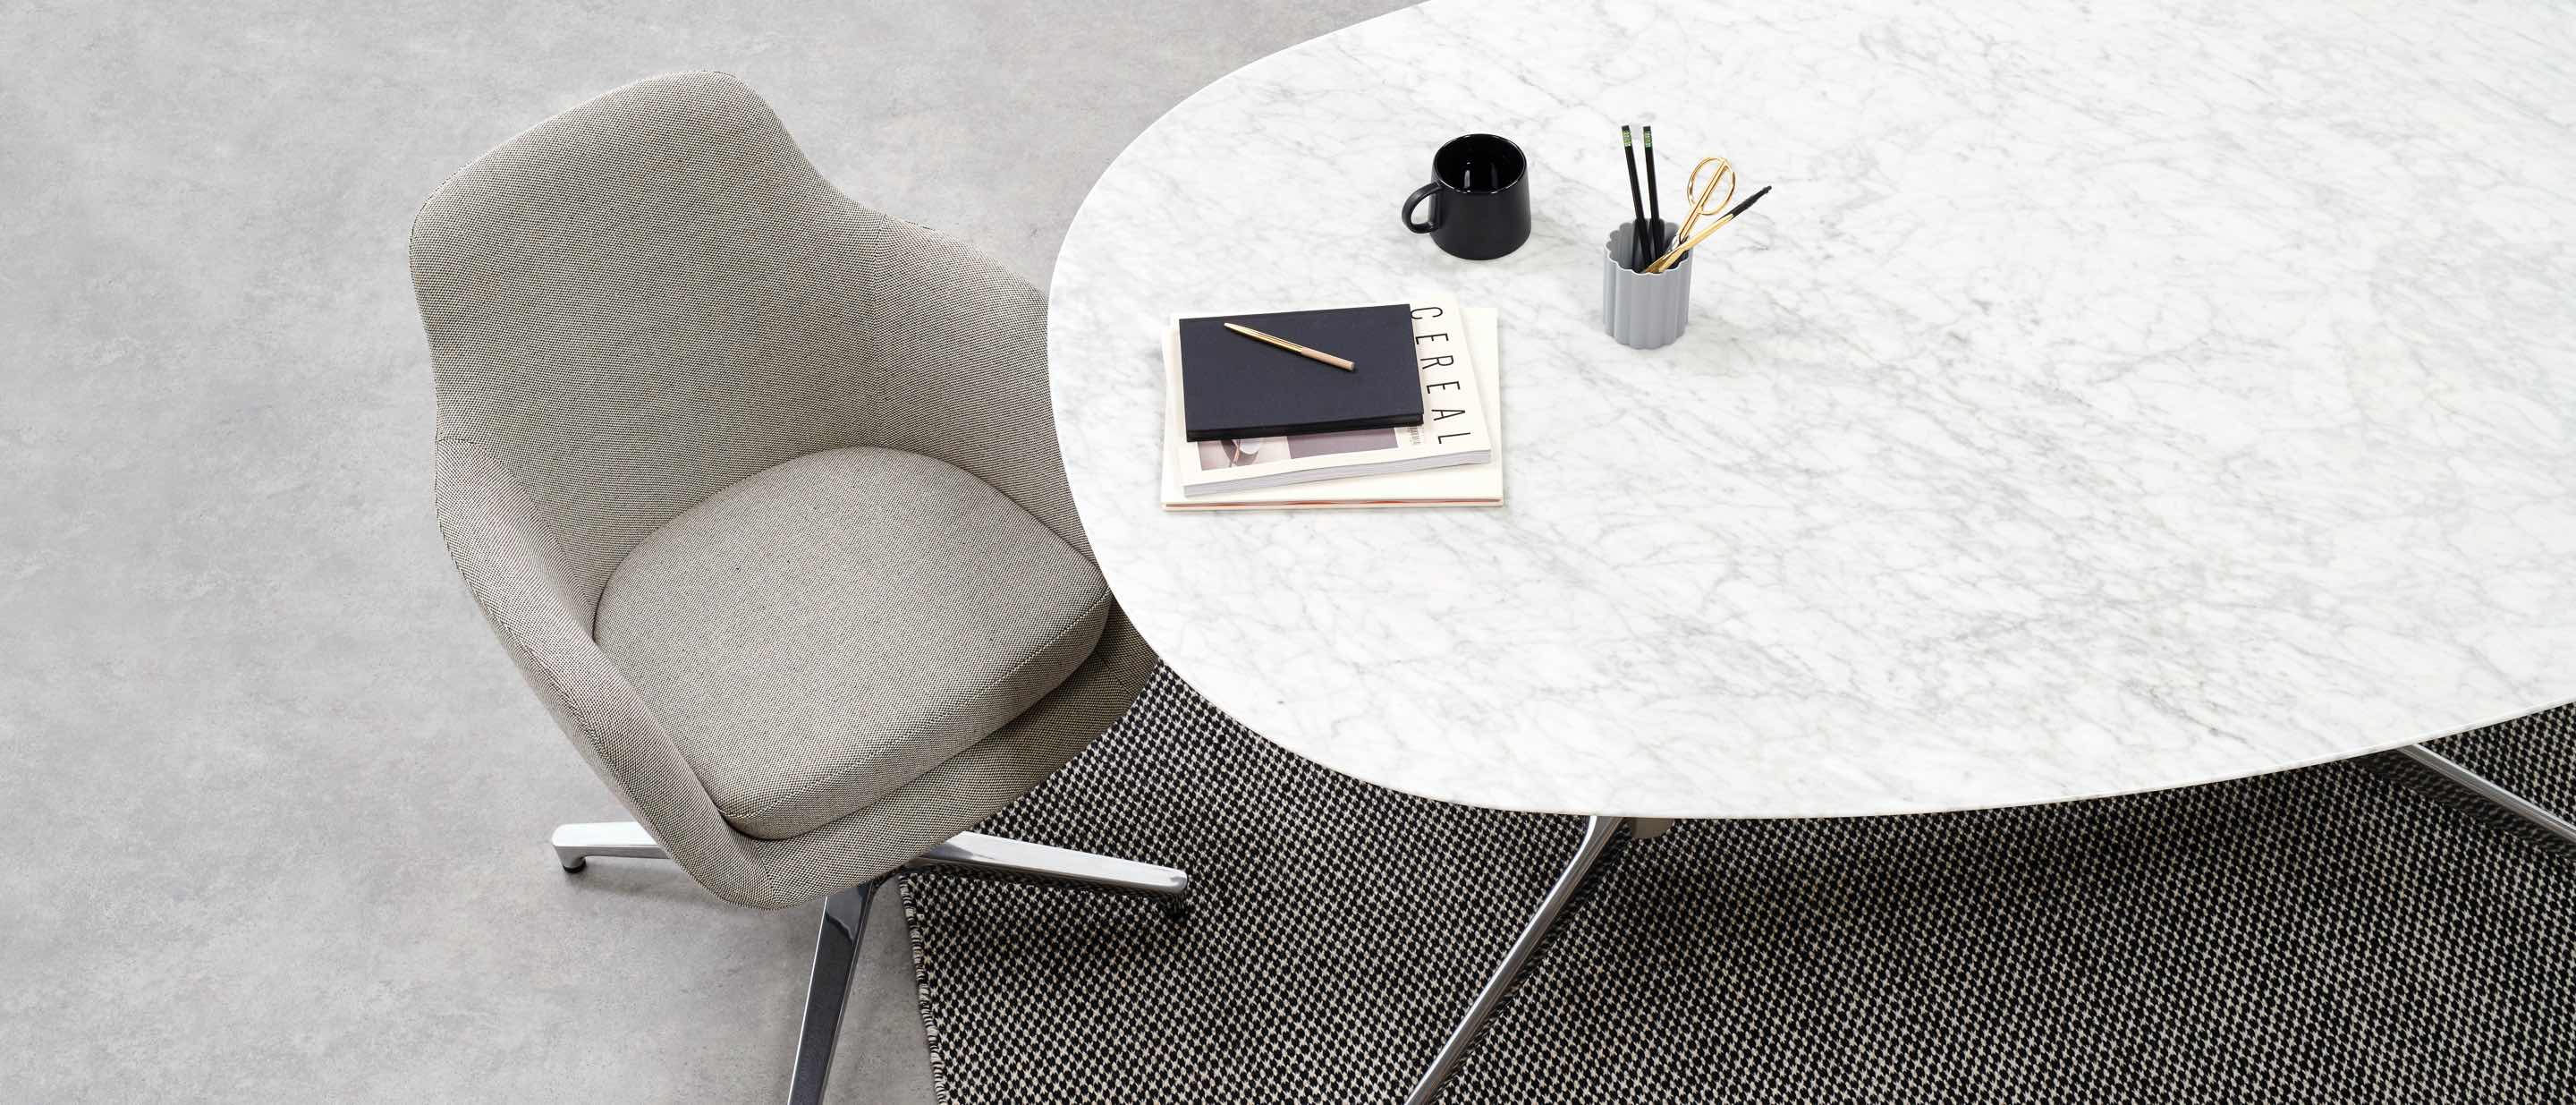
{"x": 1019, "y": 860}
{"x": 2485, "y": 788}
{"x": 827, "y": 991}
{"x": 575, "y": 844}
{"x": 845, "y": 915}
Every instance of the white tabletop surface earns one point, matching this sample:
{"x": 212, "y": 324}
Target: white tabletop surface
{"x": 2109, "y": 397}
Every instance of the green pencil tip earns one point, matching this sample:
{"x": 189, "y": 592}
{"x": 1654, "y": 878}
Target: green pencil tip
{"x": 1650, "y": 138}
{"x": 1626, "y": 138}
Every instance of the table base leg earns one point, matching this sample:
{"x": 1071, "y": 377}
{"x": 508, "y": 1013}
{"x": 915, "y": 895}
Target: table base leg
{"x": 2483, "y": 787}
{"x": 1597, "y": 832}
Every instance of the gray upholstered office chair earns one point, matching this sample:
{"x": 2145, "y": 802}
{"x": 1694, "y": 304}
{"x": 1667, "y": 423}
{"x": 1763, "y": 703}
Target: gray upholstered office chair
{"x": 760, "y": 490}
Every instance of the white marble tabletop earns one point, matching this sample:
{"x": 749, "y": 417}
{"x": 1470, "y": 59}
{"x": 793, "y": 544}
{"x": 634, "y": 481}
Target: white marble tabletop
{"x": 2109, "y": 397}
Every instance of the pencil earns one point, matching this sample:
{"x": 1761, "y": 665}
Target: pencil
{"x": 1674, "y": 257}
{"x": 1293, "y": 347}
{"x": 1654, "y": 201}
{"x": 1637, "y": 236}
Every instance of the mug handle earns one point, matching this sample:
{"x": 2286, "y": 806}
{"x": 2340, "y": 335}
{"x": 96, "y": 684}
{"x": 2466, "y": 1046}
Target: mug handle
{"x": 1416, "y": 198}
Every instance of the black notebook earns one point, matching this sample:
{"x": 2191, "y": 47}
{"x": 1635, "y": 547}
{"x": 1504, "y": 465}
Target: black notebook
{"x": 1235, "y": 387}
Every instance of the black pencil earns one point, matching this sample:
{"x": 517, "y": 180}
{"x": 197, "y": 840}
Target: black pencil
{"x": 1654, "y": 202}
{"x": 1637, "y": 234}
{"x": 1738, "y": 209}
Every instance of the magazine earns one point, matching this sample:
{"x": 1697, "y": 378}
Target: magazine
{"x": 1478, "y": 484}
{"x": 1453, "y": 429}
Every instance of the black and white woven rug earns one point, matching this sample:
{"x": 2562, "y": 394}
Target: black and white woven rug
{"x": 2355, "y": 932}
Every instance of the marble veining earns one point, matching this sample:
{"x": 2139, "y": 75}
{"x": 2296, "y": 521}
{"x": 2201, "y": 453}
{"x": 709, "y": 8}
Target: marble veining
{"x": 2109, "y": 397}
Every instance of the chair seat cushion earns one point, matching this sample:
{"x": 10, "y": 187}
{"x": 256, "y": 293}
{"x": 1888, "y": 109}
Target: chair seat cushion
{"x": 824, "y": 632}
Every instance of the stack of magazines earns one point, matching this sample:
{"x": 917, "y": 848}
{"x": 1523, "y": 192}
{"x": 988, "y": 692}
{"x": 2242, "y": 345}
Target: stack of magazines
{"x": 1454, "y": 458}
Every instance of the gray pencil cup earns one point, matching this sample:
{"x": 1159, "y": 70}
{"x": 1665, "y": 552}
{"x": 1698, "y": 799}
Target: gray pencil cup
{"x": 1642, "y": 310}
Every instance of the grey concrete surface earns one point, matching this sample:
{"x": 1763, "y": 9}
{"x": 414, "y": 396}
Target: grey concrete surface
{"x": 273, "y": 805}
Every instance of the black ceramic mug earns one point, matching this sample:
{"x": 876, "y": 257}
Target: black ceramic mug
{"x": 1479, "y": 193}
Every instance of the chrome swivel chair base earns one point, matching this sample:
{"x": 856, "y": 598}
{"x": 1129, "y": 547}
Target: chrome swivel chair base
{"x": 845, "y": 914}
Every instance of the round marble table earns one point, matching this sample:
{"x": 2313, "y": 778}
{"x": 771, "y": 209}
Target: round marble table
{"x": 2109, "y": 397}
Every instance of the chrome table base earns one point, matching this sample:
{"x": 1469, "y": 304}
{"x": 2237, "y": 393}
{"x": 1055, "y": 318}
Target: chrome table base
{"x": 2481, "y": 786}
{"x": 845, "y": 914}
{"x": 1597, "y": 832}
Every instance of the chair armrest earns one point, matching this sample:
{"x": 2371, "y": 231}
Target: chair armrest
{"x": 536, "y": 603}
{"x": 962, "y": 342}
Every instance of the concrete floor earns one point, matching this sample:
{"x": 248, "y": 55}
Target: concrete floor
{"x": 273, "y": 805}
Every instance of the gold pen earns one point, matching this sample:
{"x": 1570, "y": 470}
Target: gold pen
{"x": 1293, "y": 347}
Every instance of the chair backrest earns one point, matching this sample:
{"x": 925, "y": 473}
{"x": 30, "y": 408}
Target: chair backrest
{"x": 643, "y": 300}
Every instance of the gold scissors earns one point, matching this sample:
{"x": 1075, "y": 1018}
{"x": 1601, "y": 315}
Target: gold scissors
{"x": 1705, "y": 204}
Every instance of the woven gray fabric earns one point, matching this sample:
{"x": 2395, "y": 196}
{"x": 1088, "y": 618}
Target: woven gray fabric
{"x": 960, "y": 793}
{"x": 827, "y": 630}
{"x": 654, "y": 296}
{"x": 646, "y": 299}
